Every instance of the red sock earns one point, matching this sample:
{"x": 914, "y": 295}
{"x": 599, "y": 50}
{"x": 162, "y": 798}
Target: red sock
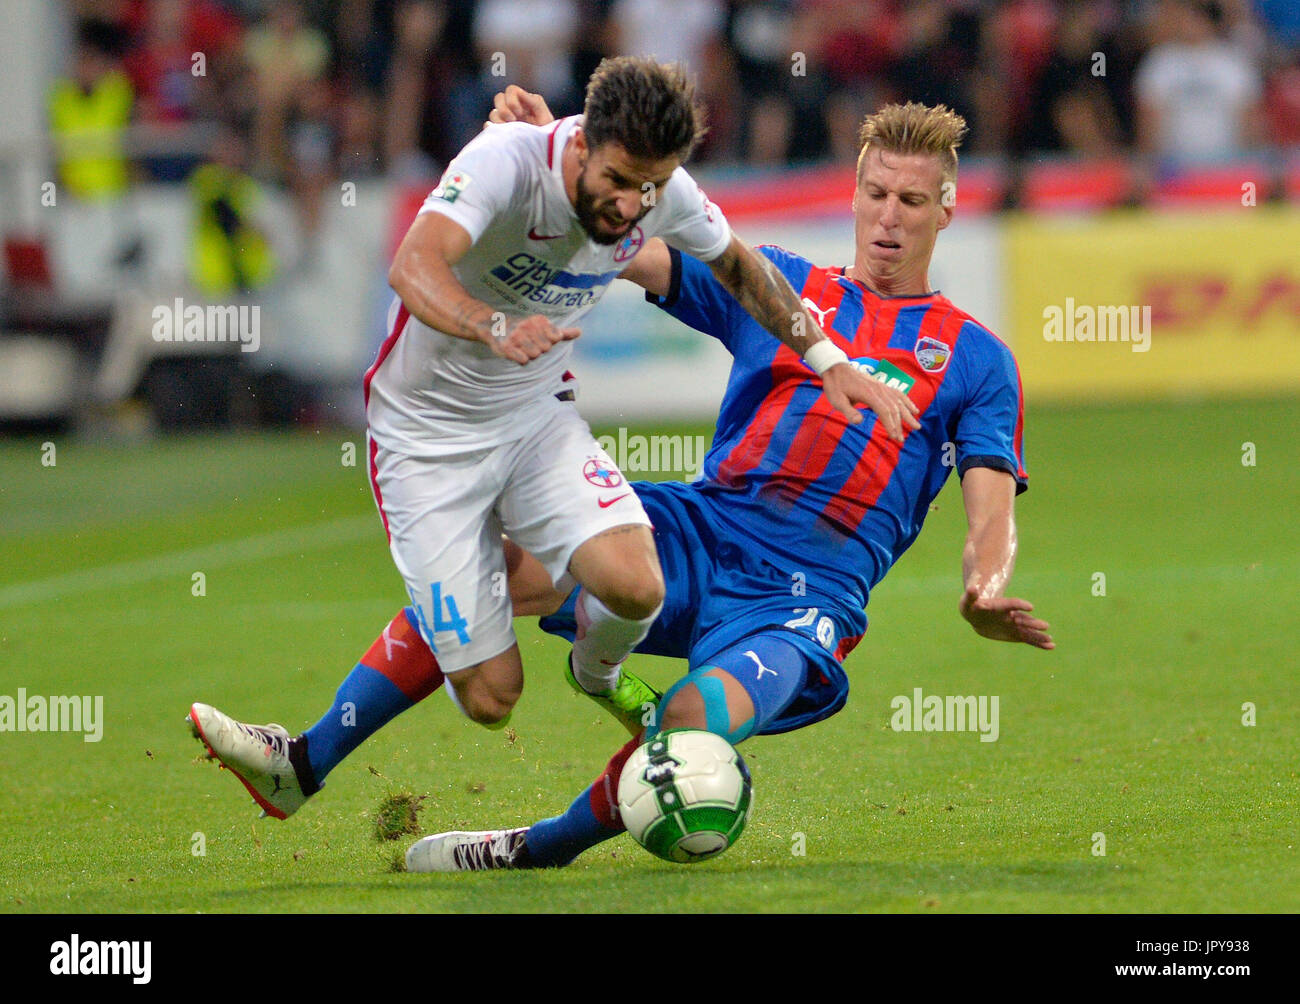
{"x": 604, "y": 790}
{"x": 364, "y": 703}
{"x": 401, "y": 655}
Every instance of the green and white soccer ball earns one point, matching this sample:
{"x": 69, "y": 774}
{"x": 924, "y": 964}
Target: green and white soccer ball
{"x": 685, "y": 795}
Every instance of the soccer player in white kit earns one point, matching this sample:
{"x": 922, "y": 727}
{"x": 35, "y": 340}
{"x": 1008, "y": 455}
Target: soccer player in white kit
{"x": 473, "y": 430}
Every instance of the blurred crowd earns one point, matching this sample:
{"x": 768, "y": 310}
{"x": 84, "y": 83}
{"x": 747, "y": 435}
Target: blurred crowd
{"x": 307, "y": 92}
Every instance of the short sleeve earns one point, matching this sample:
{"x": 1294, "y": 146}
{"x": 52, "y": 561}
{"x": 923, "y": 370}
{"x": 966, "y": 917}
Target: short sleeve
{"x": 697, "y": 299}
{"x": 694, "y": 224}
{"x": 991, "y": 420}
{"x": 479, "y": 183}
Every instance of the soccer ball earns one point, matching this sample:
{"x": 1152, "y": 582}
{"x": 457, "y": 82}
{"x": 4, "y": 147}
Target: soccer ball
{"x": 685, "y": 795}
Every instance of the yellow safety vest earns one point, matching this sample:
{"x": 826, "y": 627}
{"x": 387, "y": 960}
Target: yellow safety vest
{"x": 224, "y": 258}
{"x": 87, "y": 131}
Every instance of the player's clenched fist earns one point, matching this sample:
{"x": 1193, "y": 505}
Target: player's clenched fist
{"x": 526, "y": 339}
{"x": 846, "y": 386}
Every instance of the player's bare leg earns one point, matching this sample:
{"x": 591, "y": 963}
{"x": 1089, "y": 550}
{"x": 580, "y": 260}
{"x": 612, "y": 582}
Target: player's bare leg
{"x": 593, "y": 817}
{"x": 712, "y": 697}
{"x": 631, "y": 699}
{"x": 531, "y": 592}
{"x": 622, "y": 594}
{"x": 713, "y": 700}
{"x": 488, "y": 691}
{"x": 396, "y": 673}
{"x": 620, "y": 568}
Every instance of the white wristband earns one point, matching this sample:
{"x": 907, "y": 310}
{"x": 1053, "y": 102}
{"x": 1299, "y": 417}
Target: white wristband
{"x": 823, "y": 355}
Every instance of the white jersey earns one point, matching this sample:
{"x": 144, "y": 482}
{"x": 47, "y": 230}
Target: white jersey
{"x": 433, "y": 394}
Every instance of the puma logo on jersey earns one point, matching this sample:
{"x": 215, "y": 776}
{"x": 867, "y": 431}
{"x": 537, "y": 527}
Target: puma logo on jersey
{"x": 812, "y": 308}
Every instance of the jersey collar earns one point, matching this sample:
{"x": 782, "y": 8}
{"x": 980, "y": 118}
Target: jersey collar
{"x": 555, "y": 144}
{"x": 842, "y": 272}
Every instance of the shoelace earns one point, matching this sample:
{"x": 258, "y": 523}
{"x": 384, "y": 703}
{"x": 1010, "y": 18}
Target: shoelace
{"x": 633, "y": 691}
{"x": 490, "y": 852}
{"x": 265, "y": 734}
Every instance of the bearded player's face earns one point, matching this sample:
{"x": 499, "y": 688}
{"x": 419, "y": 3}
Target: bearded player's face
{"x": 615, "y": 189}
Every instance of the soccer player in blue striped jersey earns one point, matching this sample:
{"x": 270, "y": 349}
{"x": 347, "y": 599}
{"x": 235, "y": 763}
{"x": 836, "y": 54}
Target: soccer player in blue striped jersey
{"x": 792, "y": 492}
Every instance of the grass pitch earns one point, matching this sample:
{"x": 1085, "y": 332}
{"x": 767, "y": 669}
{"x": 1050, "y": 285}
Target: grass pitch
{"x": 1130, "y": 737}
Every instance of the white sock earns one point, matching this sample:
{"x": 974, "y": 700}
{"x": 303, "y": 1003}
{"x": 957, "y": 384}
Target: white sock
{"x": 605, "y": 640}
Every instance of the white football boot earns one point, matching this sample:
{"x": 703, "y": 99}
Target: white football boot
{"x": 473, "y": 851}
{"x": 256, "y": 754}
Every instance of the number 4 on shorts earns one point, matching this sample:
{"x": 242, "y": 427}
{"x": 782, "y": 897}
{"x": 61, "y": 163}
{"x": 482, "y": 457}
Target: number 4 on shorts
{"x": 454, "y": 622}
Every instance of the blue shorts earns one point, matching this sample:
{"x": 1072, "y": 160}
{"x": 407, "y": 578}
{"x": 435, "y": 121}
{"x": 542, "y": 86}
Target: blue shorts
{"x": 721, "y": 588}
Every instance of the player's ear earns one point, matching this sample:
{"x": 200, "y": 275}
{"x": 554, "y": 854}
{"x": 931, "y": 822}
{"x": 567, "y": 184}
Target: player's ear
{"x": 580, "y": 142}
{"x": 945, "y": 216}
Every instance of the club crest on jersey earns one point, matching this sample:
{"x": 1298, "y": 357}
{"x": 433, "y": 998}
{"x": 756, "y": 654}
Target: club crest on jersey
{"x": 629, "y": 245}
{"x": 932, "y": 354}
{"x": 601, "y": 474}
{"x": 451, "y": 185}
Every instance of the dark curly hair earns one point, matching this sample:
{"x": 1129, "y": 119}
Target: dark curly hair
{"x": 648, "y": 107}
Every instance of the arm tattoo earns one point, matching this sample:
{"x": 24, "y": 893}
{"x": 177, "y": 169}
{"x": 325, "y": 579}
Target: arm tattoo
{"x": 468, "y": 319}
{"x": 461, "y": 315}
{"x": 767, "y": 296}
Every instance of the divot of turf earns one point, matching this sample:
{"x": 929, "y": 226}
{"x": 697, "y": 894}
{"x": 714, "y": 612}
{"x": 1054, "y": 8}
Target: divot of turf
{"x": 398, "y": 815}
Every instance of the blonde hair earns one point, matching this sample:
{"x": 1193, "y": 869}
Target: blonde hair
{"x": 914, "y": 128}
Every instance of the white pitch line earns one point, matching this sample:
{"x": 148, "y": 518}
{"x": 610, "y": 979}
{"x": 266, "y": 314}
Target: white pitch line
{"x": 341, "y": 531}
{"x": 200, "y": 559}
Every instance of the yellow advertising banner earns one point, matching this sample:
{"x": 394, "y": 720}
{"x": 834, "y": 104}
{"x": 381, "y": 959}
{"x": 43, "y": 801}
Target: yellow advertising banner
{"x": 1155, "y": 303}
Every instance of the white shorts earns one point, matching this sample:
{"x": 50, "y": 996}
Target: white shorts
{"x": 549, "y": 491}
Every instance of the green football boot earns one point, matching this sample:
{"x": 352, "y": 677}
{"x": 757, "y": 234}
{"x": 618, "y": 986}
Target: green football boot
{"x": 632, "y": 700}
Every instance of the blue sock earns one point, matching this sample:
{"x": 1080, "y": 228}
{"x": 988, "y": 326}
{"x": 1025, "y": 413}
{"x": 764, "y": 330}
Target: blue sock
{"x": 396, "y": 673}
{"x": 555, "y": 842}
{"x": 374, "y": 701}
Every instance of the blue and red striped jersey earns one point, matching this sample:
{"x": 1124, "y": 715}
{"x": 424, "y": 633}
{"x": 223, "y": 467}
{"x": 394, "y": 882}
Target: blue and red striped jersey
{"x": 819, "y": 493}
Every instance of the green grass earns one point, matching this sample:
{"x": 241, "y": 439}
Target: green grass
{"x": 1132, "y": 728}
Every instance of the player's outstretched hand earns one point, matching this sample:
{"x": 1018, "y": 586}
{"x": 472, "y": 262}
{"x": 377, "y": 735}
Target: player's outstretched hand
{"x": 515, "y": 104}
{"x": 526, "y": 339}
{"x": 1005, "y": 618}
{"x": 846, "y": 386}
